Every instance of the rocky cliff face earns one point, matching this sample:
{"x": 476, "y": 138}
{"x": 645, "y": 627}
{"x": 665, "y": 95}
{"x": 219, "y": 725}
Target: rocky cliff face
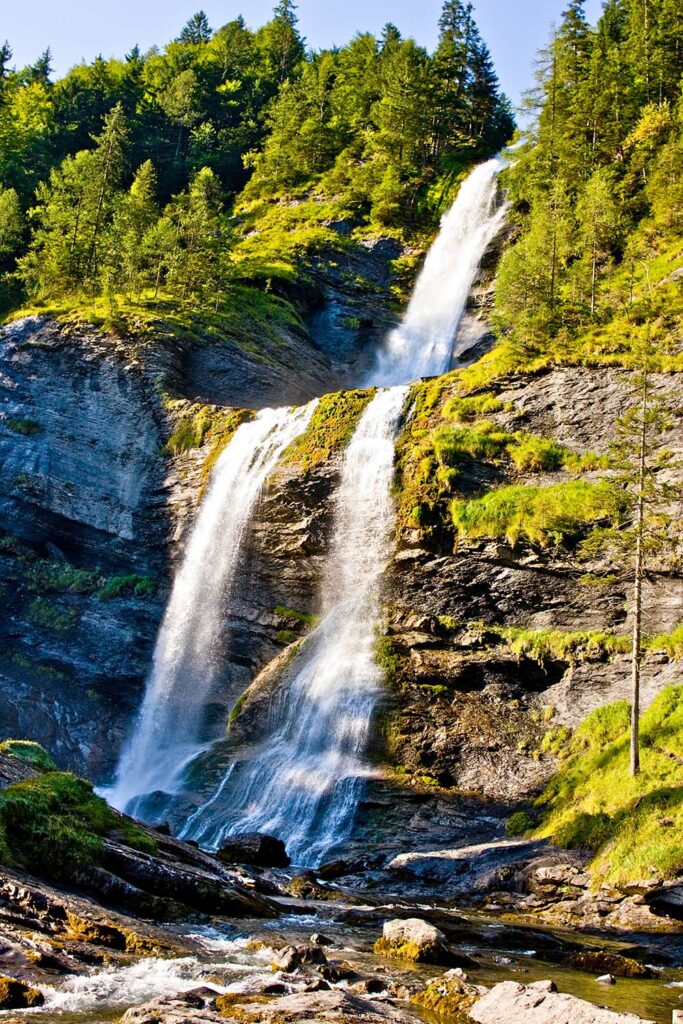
{"x": 94, "y": 515}
{"x": 94, "y": 510}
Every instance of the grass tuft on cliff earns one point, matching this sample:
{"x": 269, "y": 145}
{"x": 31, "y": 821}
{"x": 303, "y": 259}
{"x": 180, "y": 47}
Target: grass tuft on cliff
{"x": 631, "y": 824}
{"x": 54, "y": 823}
{"x": 538, "y": 515}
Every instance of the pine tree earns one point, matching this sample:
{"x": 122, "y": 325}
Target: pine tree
{"x": 137, "y": 212}
{"x": 41, "y": 70}
{"x": 452, "y": 71}
{"x": 108, "y": 164}
{"x": 197, "y": 214}
{"x": 642, "y": 465}
{"x": 197, "y": 30}
{"x": 282, "y": 45}
{"x": 5, "y": 58}
{"x": 598, "y": 223}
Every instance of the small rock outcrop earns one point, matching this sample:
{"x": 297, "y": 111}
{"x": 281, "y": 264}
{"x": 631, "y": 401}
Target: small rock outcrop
{"x": 16, "y": 995}
{"x": 541, "y": 1003}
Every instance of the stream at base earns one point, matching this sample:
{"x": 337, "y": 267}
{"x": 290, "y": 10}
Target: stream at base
{"x": 224, "y": 960}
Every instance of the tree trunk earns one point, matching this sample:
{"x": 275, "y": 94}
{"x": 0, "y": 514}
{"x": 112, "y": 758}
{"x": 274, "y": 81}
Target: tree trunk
{"x": 636, "y": 650}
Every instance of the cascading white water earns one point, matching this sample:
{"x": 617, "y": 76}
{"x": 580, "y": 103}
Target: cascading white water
{"x": 171, "y": 728}
{"x": 422, "y": 346}
{"x": 304, "y": 780}
{"x": 302, "y": 784}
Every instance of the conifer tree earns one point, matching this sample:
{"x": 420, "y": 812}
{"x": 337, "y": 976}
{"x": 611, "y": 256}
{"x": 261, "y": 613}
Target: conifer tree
{"x": 197, "y": 30}
{"x": 108, "y": 161}
{"x": 136, "y": 213}
{"x": 641, "y": 543}
{"x": 5, "y": 58}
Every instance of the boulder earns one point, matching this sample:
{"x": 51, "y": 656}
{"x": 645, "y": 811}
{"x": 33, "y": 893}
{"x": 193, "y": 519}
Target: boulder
{"x": 540, "y": 1003}
{"x": 417, "y": 940}
{"x": 331, "y": 1007}
{"x": 16, "y": 995}
{"x": 289, "y": 958}
{"x": 255, "y": 848}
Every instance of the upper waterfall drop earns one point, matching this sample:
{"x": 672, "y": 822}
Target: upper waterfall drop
{"x": 171, "y": 727}
{"x": 423, "y": 344}
{"x": 302, "y": 784}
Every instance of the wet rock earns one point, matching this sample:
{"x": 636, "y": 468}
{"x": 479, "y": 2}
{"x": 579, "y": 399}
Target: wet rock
{"x": 289, "y": 958}
{"x": 254, "y": 848}
{"x": 307, "y": 887}
{"x": 610, "y": 963}
{"x": 321, "y": 940}
{"x": 323, "y": 1007}
{"x": 368, "y": 986}
{"x": 666, "y": 901}
{"x": 449, "y": 994}
{"x": 418, "y": 941}
{"x": 16, "y": 995}
{"x": 539, "y": 1003}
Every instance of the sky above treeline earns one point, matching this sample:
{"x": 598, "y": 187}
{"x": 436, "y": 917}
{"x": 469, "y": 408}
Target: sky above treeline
{"x": 81, "y": 29}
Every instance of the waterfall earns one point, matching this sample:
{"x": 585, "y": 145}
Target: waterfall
{"x": 172, "y": 727}
{"x": 423, "y": 344}
{"x": 302, "y": 783}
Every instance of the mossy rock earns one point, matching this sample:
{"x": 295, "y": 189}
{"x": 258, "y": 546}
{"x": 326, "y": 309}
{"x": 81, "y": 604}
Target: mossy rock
{"x": 16, "y": 995}
{"x": 84, "y": 930}
{"x": 450, "y": 994}
{"x": 601, "y": 962}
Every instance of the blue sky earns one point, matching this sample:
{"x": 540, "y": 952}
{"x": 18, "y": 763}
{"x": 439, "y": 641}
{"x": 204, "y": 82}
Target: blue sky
{"x": 75, "y": 29}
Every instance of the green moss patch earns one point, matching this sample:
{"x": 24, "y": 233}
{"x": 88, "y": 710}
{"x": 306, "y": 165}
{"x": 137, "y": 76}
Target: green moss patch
{"x": 330, "y": 428}
{"x": 30, "y": 753}
{"x": 128, "y": 586}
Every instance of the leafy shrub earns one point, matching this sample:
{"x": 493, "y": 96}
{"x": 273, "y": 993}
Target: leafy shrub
{"x": 519, "y": 823}
{"x": 49, "y": 616}
{"x": 123, "y": 586}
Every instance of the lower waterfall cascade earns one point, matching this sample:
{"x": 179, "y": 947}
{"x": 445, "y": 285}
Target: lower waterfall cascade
{"x": 171, "y": 727}
{"x": 302, "y": 782}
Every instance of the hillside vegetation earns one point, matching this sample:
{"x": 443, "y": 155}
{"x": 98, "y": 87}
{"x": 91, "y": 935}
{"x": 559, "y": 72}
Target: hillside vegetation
{"x": 631, "y": 825}
{"x": 199, "y": 173}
